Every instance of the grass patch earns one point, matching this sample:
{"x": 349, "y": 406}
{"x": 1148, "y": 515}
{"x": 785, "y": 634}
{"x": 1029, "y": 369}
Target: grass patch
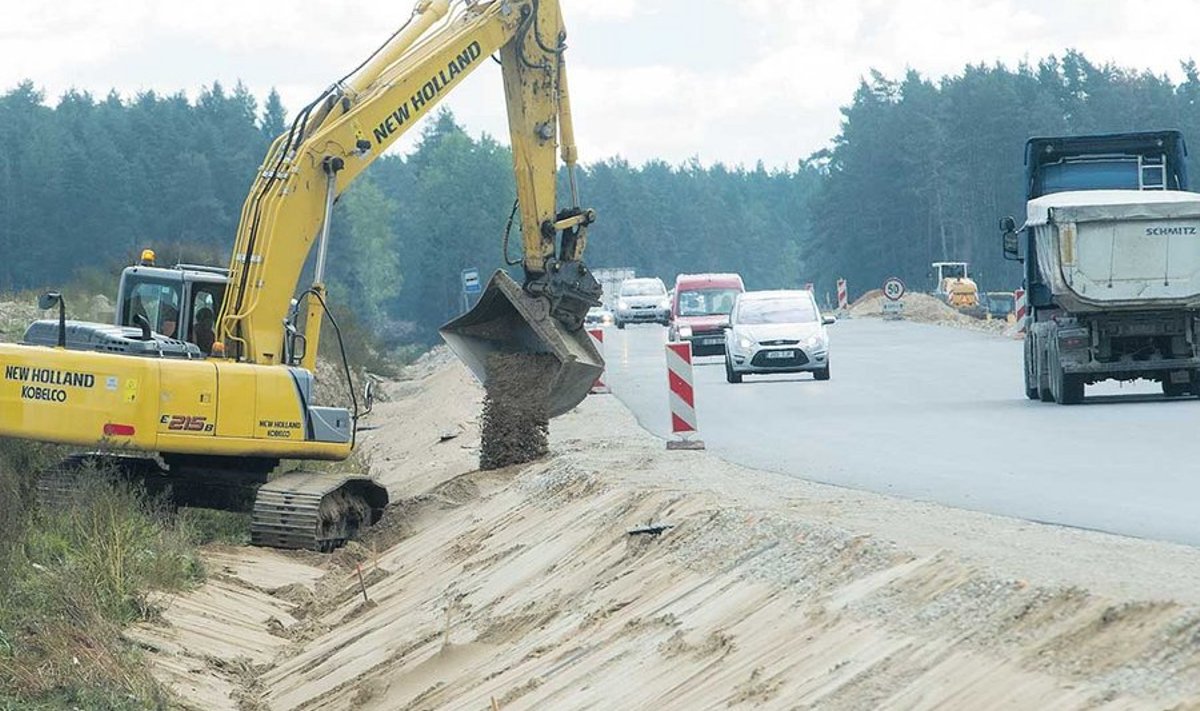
{"x": 73, "y": 576}
{"x": 211, "y": 526}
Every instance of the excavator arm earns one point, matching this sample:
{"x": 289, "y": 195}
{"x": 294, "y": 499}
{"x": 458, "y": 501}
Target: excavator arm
{"x": 331, "y": 141}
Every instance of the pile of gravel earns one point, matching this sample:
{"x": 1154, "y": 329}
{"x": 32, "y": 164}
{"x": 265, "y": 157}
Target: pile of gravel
{"x": 923, "y": 308}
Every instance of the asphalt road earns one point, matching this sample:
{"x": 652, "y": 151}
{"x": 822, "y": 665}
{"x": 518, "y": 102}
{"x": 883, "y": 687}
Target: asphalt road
{"x": 938, "y": 414}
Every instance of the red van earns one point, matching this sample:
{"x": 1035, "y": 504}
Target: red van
{"x": 700, "y": 310}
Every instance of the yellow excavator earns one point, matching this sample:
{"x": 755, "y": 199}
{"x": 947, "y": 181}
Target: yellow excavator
{"x": 205, "y": 381}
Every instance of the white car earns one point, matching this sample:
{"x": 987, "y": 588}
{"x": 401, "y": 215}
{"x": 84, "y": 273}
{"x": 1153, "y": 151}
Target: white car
{"x": 643, "y": 301}
{"x": 777, "y": 332}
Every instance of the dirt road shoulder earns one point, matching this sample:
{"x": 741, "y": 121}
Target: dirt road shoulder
{"x": 525, "y": 586}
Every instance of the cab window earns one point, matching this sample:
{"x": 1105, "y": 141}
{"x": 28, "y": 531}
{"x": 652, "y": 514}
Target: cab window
{"x": 206, "y": 303}
{"x": 157, "y": 301}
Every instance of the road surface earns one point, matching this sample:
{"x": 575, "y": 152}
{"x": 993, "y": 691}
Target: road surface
{"x": 938, "y": 414}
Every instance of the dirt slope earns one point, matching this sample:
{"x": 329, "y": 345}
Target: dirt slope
{"x": 523, "y": 586}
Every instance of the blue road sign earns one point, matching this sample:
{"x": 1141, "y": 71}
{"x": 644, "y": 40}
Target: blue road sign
{"x": 470, "y": 281}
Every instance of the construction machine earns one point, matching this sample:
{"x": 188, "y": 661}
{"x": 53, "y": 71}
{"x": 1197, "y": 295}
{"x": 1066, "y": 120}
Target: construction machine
{"x": 205, "y": 381}
{"x": 954, "y": 285}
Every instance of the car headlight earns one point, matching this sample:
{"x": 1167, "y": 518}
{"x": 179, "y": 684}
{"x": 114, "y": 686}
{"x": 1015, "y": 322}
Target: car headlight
{"x": 685, "y": 331}
{"x": 815, "y": 342}
{"x": 664, "y": 304}
{"x": 745, "y": 343}
{"x": 622, "y": 305}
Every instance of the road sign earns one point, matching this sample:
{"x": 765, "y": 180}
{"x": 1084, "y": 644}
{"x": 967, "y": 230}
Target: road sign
{"x": 893, "y": 310}
{"x": 1022, "y": 309}
{"x": 682, "y": 396}
{"x": 893, "y": 289}
{"x": 470, "y": 281}
{"x": 597, "y": 335}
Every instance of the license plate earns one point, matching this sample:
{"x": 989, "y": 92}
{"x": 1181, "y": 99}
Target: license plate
{"x": 774, "y": 355}
{"x": 711, "y": 341}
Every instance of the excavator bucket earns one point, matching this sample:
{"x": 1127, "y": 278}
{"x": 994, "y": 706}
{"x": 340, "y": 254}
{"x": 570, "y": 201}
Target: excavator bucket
{"x": 508, "y": 320}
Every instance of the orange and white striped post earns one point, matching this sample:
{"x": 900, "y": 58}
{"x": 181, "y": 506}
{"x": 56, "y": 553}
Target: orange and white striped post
{"x": 599, "y": 387}
{"x": 1022, "y": 309}
{"x": 843, "y": 294}
{"x": 682, "y": 396}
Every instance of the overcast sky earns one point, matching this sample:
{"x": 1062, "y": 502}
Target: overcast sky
{"x": 723, "y": 80}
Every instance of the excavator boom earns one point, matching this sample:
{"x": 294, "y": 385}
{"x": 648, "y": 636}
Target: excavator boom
{"x": 335, "y": 138}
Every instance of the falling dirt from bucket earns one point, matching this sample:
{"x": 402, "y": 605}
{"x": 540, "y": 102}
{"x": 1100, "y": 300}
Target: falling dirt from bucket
{"x": 516, "y": 423}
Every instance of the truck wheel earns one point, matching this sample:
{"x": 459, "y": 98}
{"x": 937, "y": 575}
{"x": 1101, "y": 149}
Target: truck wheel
{"x": 1031, "y": 387}
{"x": 1043, "y": 373}
{"x": 1067, "y": 388}
{"x": 731, "y": 375}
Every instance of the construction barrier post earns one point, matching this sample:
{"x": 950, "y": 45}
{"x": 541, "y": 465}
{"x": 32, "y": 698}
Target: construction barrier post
{"x": 1022, "y": 309}
{"x": 682, "y": 396}
{"x": 599, "y": 387}
{"x": 843, "y": 295}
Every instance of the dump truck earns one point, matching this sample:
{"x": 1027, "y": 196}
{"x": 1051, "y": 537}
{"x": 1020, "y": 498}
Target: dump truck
{"x": 1111, "y": 253}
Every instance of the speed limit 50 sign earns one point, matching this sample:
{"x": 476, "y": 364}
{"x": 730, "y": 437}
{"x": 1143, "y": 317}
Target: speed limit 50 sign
{"x": 893, "y": 289}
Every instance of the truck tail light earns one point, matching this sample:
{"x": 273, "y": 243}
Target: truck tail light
{"x": 116, "y": 430}
{"x": 1073, "y": 341}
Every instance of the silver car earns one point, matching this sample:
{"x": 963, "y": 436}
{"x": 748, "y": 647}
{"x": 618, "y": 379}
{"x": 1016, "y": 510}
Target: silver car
{"x": 643, "y": 301}
{"x": 777, "y": 332}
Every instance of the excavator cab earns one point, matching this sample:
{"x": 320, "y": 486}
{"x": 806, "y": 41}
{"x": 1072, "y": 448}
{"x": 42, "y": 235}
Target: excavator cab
{"x": 180, "y": 302}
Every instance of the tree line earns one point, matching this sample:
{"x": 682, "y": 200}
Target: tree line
{"x": 919, "y": 172}
{"x": 922, "y": 170}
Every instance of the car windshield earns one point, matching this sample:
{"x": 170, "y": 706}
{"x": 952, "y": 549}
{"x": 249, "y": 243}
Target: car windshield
{"x": 706, "y": 302}
{"x": 643, "y": 288}
{"x": 764, "y": 311}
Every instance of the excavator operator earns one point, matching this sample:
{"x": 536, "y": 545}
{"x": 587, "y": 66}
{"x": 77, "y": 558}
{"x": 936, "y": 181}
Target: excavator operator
{"x": 202, "y": 330}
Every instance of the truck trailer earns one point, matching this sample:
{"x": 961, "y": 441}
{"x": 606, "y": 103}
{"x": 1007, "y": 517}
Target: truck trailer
{"x": 1111, "y": 253}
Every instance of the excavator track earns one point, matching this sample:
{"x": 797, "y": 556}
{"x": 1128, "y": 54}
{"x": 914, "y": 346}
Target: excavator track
{"x": 298, "y": 510}
{"x": 315, "y": 511}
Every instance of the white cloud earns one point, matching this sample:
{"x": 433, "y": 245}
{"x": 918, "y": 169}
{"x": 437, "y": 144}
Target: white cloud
{"x": 765, "y": 82}
{"x": 588, "y": 10}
